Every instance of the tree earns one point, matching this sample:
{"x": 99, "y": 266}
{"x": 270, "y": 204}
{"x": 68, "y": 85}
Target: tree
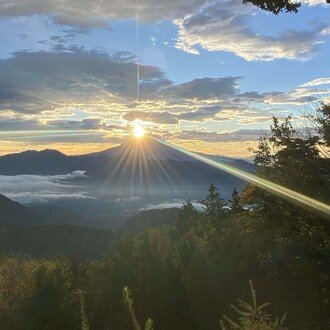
{"x": 275, "y": 6}
{"x": 324, "y": 123}
{"x": 213, "y": 203}
{"x": 129, "y": 302}
{"x": 235, "y": 202}
{"x": 253, "y": 316}
{"x": 187, "y": 215}
{"x": 293, "y": 160}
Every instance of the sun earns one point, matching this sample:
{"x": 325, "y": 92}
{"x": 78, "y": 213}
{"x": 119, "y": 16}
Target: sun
{"x": 138, "y": 131}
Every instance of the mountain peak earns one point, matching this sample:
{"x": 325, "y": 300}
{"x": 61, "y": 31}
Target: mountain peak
{"x": 149, "y": 148}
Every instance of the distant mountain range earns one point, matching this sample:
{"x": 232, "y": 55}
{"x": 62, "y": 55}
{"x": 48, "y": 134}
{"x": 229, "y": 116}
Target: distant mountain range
{"x": 46, "y": 232}
{"x": 145, "y": 164}
{"x": 149, "y": 219}
{"x": 14, "y": 213}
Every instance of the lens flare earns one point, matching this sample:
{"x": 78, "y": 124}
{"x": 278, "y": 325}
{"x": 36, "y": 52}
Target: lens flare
{"x": 260, "y": 182}
{"x": 138, "y": 131}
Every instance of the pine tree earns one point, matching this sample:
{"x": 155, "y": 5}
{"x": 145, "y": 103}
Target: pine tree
{"x": 213, "y": 203}
{"x": 186, "y": 216}
{"x": 253, "y": 316}
{"x": 235, "y": 202}
{"x": 129, "y": 302}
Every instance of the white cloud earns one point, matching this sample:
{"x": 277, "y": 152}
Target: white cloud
{"x": 225, "y": 26}
{"x": 239, "y": 135}
{"x": 176, "y": 203}
{"x": 314, "y": 2}
{"x": 303, "y": 94}
{"x": 88, "y": 13}
{"x": 317, "y": 82}
{"x": 132, "y": 199}
{"x": 42, "y": 188}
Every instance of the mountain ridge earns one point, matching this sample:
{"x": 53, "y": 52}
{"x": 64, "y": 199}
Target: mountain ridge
{"x": 142, "y": 166}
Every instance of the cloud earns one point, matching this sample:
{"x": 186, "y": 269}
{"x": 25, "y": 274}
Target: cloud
{"x": 42, "y": 188}
{"x": 16, "y": 123}
{"x": 103, "y": 87}
{"x": 132, "y": 199}
{"x": 155, "y": 117}
{"x": 84, "y": 124}
{"x": 314, "y": 2}
{"x": 225, "y": 26}
{"x": 239, "y": 135}
{"x": 200, "y": 114}
{"x": 306, "y": 93}
{"x": 176, "y": 203}
{"x": 317, "y": 82}
{"x": 32, "y": 82}
{"x": 204, "y": 88}
{"x": 95, "y": 14}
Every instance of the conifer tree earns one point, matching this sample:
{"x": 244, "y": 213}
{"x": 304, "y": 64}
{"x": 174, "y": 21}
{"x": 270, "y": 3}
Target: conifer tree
{"x": 186, "y": 216}
{"x": 235, "y": 202}
{"x": 213, "y": 203}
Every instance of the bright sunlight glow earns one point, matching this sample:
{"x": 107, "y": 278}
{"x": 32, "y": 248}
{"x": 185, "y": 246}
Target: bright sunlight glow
{"x": 138, "y": 131}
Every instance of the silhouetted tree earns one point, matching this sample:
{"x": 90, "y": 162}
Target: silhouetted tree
{"x": 276, "y": 6}
{"x": 235, "y": 202}
{"x": 324, "y": 121}
{"x": 187, "y": 215}
{"x": 293, "y": 160}
{"x": 252, "y": 316}
{"x": 213, "y": 203}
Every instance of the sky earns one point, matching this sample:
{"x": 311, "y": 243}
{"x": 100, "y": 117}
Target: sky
{"x": 204, "y": 75}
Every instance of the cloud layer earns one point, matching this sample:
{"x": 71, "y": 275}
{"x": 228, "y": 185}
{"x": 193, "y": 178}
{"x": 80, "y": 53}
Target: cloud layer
{"x": 42, "y": 188}
{"x": 96, "y": 13}
{"x": 224, "y": 26}
{"x": 88, "y": 97}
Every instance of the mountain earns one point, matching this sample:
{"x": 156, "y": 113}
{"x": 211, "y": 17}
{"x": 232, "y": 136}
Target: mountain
{"x": 33, "y": 162}
{"x": 16, "y": 214}
{"x": 40, "y": 232}
{"x": 13, "y": 213}
{"x": 50, "y": 241}
{"x": 149, "y": 219}
{"x": 146, "y": 165}
{"x": 45, "y": 231}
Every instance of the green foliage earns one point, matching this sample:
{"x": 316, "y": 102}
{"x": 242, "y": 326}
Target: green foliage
{"x": 149, "y": 325}
{"x": 187, "y": 215}
{"x": 37, "y": 295}
{"x": 293, "y": 160}
{"x": 49, "y": 241}
{"x": 235, "y": 203}
{"x": 83, "y": 313}
{"x": 129, "y": 302}
{"x": 275, "y": 6}
{"x": 252, "y": 316}
{"x": 213, "y": 203}
{"x": 323, "y": 119}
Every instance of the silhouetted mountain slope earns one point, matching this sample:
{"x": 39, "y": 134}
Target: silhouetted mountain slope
{"x": 145, "y": 163}
{"x": 243, "y": 165}
{"x": 50, "y": 241}
{"x": 13, "y": 213}
{"x": 149, "y": 219}
{"x": 33, "y": 162}
{"x": 54, "y": 215}
{"x": 16, "y": 214}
